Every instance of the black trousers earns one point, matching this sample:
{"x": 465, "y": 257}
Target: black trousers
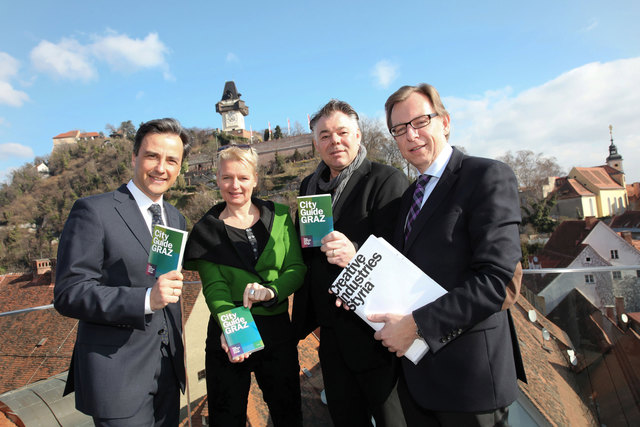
{"x": 417, "y": 416}
{"x": 354, "y": 398}
{"x": 276, "y": 369}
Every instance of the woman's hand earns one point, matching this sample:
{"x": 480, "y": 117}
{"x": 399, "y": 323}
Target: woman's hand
{"x": 225, "y": 347}
{"x": 255, "y": 292}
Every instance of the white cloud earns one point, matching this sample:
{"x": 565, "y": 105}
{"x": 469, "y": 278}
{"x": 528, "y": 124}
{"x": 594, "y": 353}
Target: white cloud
{"x": 8, "y": 66}
{"x": 67, "y": 60}
{"x": 125, "y": 54}
{"x": 384, "y": 73}
{"x": 73, "y": 60}
{"x": 8, "y": 69}
{"x": 566, "y": 118}
{"x": 10, "y": 96}
{"x": 14, "y": 149}
{"x": 232, "y": 57}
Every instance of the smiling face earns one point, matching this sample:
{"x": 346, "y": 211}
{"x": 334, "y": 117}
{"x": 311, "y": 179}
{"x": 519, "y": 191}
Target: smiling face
{"x": 420, "y": 147}
{"x": 337, "y": 139}
{"x": 236, "y": 181}
{"x": 157, "y": 164}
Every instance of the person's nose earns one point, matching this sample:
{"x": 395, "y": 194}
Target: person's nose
{"x": 412, "y": 133}
{"x": 160, "y": 166}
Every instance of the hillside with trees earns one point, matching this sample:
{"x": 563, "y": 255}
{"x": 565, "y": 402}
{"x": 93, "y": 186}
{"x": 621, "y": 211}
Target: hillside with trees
{"x": 34, "y": 207}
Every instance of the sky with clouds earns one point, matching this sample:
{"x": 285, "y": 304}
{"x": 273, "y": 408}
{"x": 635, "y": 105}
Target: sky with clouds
{"x": 547, "y": 76}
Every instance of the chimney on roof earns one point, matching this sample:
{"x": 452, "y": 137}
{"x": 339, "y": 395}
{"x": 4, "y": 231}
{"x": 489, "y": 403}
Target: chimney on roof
{"x": 610, "y": 313}
{"x": 626, "y": 235}
{"x": 41, "y": 266}
{"x": 590, "y": 222}
{"x": 619, "y": 306}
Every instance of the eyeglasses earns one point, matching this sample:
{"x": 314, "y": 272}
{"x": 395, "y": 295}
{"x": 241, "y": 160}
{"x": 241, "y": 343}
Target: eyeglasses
{"x": 241, "y": 146}
{"x": 417, "y": 123}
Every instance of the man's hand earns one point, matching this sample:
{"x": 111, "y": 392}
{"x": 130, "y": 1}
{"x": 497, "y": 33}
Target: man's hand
{"x": 398, "y": 333}
{"x": 338, "y": 248}
{"x": 166, "y": 290}
{"x": 225, "y": 347}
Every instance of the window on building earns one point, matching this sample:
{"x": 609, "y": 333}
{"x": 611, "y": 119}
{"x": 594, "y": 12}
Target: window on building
{"x": 638, "y": 273}
{"x": 587, "y": 260}
{"x": 614, "y": 254}
{"x": 202, "y": 375}
{"x": 588, "y": 278}
{"x": 617, "y": 275}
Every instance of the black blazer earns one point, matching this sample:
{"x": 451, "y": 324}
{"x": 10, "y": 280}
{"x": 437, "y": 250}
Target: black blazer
{"x": 466, "y": 238}
{"x": 368, "y": 205}
{"x": 101, "y": 280}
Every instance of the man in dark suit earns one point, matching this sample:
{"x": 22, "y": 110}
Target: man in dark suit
{"x": 359, "y": 374}
{"x": 460, "y": 228}
{"x": 127, "y": 366}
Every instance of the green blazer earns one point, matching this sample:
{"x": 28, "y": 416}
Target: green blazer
{"x": 225, "y": 274}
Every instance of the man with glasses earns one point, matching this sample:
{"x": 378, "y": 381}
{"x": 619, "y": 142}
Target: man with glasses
{"x": 458, "y": 223}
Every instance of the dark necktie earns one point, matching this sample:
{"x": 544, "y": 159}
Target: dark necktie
{"x": 156, "y": 211}
{"x": 418, "y": 195}
{"x": 156, "y": 219}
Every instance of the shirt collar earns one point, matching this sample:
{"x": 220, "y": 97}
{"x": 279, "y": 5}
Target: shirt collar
{"x": 436, "y": 169}
{"x": 143, "y": 201}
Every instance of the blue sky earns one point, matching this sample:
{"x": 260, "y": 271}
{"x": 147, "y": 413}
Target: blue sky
{"x": 548, "y": 76}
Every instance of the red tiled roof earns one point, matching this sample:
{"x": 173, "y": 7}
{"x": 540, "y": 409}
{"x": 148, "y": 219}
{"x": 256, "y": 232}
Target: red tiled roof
{"x": 70, "y": 134}
{"x": 565, "y": 243}
{"x": 628, "y": 219}
{"x": 89, "y": 135}
{"x": 599, "y": 177}
{"x": 552, "y": 386}
{"x": 35, "y": 345}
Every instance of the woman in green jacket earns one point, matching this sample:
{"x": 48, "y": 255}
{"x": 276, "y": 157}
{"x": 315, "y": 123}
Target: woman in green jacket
{"x": 248, "y": 253}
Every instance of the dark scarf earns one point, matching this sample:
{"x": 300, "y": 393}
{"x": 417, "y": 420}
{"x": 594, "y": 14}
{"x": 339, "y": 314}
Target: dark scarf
{"x": 336, "y": 185}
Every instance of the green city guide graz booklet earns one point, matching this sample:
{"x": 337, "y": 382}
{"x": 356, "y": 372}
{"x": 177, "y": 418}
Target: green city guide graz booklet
{"x": 316, "y": 219}
{"x": 167, "y": 248}
{"x": 240, "y": 331}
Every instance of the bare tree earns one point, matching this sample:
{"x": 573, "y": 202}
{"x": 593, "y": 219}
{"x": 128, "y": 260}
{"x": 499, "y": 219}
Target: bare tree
{"x": 530, "y": 168}
{"x": 380, "y": 145}
{"x": 298, "y": 129}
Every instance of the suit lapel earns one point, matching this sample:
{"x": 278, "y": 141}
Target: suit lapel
{"x": 128, "y": 210}
{"x": 173, "y": 218}
{"x": 437, "y": 196}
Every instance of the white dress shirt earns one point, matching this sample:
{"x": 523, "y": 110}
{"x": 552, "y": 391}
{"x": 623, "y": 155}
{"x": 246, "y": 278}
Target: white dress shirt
{"x": 144, "y": 203}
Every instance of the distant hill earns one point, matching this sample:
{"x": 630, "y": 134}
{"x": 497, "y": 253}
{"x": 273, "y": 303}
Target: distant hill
{"x": 34, "y": 207}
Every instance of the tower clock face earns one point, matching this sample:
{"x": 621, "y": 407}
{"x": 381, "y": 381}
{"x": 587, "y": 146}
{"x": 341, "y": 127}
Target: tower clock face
{"x": 231, "y": 118}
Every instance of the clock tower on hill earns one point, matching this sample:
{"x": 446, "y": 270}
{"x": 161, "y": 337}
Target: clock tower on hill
{"x": 232, "y": 109}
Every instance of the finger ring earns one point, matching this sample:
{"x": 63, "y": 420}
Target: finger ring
{"x": 252, "y": 292}
{"x": 173, "y": 292}
{"x": 333, "y": 253}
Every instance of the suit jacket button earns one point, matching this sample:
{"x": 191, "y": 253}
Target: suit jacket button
{"x": 443, "y": 340}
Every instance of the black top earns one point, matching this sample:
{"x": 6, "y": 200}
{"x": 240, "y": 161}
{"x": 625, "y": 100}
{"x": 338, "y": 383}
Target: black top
{"x": 249, "y": 242}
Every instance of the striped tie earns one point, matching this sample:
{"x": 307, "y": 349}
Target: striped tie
{"x": 418, "y": 194}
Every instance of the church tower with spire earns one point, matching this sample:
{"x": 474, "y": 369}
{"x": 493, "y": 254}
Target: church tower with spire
{"x": 614, "y": 160}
